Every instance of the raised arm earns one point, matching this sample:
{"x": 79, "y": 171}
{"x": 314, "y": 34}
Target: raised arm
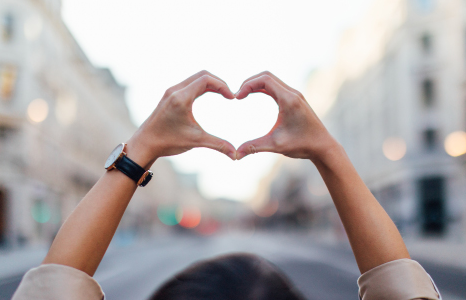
{"x": 171, "y": 129}
{"x": 299, "y": 133}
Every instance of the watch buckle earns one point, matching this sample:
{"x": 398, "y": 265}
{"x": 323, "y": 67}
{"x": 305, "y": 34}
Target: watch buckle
{"x": 143, "y": 177}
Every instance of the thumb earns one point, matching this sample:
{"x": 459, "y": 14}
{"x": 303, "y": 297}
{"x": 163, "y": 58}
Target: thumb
{"x": 215, "y": 143}
{"x": 262, "y": 144}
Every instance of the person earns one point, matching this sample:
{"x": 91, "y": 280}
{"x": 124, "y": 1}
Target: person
{"x": 230, "y": 277}
{"x": 381, "y": 255}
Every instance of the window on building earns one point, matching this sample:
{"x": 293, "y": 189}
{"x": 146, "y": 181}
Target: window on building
{"x": 7, "y": 27}
{"x": 426, "y": 43}
{"x": 425, "y": 5}
{"x": 7, "y": 81}
{"x": 432, "y": 205}
{"x": 430, "y": 139}
{"x": 428, "y": 92}
{"x": 4, "y": 131}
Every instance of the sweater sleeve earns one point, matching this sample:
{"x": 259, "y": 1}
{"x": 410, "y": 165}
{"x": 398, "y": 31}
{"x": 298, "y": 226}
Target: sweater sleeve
{"x": 402, "y": 279}
{"x": 53, "y": 282}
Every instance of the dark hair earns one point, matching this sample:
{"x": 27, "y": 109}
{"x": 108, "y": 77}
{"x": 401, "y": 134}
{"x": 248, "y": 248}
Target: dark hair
{"x": 229, "y": 277}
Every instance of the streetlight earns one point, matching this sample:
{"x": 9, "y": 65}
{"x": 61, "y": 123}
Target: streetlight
{"x": 455, "y": 143}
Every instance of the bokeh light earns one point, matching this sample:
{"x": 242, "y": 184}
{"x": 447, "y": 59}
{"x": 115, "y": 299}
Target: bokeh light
{"x": 394, "y": 148}
{"x": 168, "y": 215}
{"x": 38, "y": 110}
{"x": 41, "y": 212}
{"x": 208, "y": 227}
{"x": 455, "y": 143}
{"x": 191, "y": 217}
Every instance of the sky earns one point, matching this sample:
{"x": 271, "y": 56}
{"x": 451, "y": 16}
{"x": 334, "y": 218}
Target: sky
{"x": 152, "y": 45}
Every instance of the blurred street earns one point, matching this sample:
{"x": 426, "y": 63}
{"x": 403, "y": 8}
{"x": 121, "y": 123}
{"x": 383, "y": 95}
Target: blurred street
{"x": 385, "y": 77}
{"x": 319, "y": 271}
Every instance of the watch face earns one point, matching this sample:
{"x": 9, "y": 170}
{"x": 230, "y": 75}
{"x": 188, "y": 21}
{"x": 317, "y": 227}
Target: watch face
{"x": 114, "y": 155}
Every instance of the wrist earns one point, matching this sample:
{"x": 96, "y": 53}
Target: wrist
{"x": 140, "y": 152}
{"x": 329, "y": 155}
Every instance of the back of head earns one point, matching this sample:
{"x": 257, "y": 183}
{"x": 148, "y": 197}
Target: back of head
{"x": 230, "y": 277}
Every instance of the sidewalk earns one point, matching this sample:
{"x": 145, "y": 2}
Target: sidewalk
{"x": 18, "y": 261}
{"x": 441, "y": 252}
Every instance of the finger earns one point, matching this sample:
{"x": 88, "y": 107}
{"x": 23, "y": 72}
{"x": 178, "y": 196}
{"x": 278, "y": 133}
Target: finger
{"x": 188, "y": 81}
{"x": 266, "y": 83}
{"x": 205, "y": 84}
{"x": 262, "y": 144}
{"x": 215, "y": 143}
{"x": 275, "y": 78}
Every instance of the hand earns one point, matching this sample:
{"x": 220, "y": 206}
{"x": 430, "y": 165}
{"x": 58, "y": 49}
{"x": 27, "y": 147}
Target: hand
{"x": 298, "y": 132}
{"x": 171, "y": 129}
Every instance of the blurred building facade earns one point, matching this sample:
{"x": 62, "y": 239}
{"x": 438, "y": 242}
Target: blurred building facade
{"x": 294, "y": 197}
{"x": 283, "y": 201}
{"x": 393, "y": 97}
{"x": 60, "y": 117}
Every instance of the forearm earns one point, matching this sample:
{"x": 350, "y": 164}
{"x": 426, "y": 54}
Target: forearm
{"x": 171, "y": 129}
{"x": 85, "y": 236}
{"x": 299, "y": 133}
{"x": 373, "y": 236}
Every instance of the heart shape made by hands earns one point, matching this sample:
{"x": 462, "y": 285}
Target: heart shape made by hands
{"x": 236, "y": 121}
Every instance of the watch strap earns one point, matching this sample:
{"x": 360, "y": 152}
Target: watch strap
{"x": 130, "y": 168}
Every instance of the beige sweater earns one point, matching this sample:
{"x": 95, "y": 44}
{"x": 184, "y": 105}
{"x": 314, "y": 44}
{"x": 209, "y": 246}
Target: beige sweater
{"x": 402, "y": 279}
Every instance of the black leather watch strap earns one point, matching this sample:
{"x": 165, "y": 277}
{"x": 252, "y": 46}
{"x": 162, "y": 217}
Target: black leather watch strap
{"x": 130, "y": 168}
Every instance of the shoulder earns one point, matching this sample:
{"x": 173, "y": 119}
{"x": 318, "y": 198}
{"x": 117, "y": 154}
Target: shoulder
{"x": 53, "y": 281}
{"x": 398, "y": 279}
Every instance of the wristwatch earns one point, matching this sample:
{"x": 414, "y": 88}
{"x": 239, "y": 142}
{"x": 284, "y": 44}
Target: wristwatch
{"x": 120, "y": 161}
